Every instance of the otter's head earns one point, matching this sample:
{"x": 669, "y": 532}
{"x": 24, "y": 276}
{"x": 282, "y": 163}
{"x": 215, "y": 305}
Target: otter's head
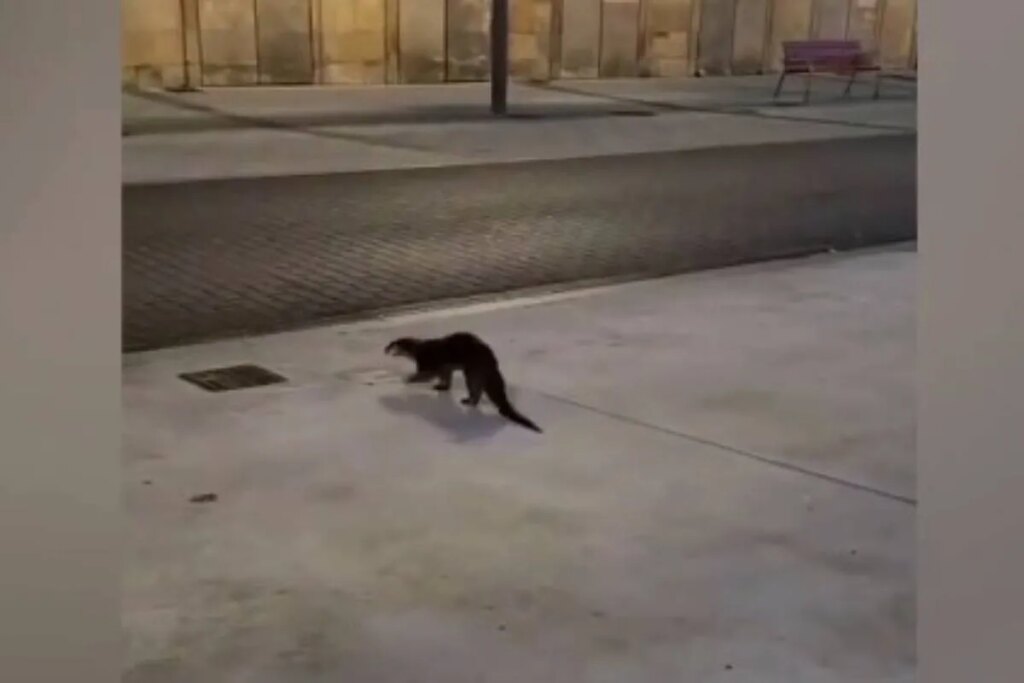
{"x": 404, "y": 347}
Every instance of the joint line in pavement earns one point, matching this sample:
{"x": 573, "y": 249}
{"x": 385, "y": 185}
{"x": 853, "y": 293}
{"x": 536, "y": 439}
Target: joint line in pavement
{"x": 750, "y": 455}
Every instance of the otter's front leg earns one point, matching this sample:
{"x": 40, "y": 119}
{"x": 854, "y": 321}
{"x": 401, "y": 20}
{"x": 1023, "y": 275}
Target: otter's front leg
{"x": 419, "y": 377}
{"x": 444, "y": 380}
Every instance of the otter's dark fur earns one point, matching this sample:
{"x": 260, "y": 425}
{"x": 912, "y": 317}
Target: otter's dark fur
{"x": 439, "y": 358}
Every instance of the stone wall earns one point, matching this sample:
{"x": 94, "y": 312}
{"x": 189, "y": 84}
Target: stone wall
{"x": 530, "y": 44}
{"x": 896, "y": 32}
{"x": 352, "y": 45}
{"x": 620, "y": 32}
{"x": 829, "y": 18}
{"x": 863, "y": 22}
{"x": 227, "y": 34}
{"x": 581, "y": 38}
{"x": 791, "y": 20}
{"x": 467, "y": 27}
{"x": 667, "y": 37}
{"x": 181, "y": 43}
{"x": 715, "y": 36}
{"x": 750, "y": 37}
{"x": 152, "y": 45}
{"x": 422, "y": 40}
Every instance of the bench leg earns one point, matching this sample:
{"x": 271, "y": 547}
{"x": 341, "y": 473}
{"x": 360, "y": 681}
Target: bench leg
{"x": 778, "y": 86}
{"x": 849, "y": 83}
{"x": 878, "y": 85}
{"x": 807, "y": 87}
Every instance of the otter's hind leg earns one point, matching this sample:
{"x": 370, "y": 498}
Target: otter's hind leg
{"x": 475, "y": 384}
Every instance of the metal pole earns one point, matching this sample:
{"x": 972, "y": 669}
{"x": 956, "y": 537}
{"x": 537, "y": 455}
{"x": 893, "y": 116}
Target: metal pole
{"x": 499, "y": 56}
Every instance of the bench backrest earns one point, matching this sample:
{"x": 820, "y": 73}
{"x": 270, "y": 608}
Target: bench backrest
{"x": 822, "y": 50}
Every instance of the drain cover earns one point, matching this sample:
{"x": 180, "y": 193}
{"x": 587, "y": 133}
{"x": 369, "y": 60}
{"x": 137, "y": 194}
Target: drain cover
{"x": 232, "y": 378}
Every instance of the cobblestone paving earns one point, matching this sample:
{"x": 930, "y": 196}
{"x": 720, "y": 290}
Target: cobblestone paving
{"x": 221, "y": 258}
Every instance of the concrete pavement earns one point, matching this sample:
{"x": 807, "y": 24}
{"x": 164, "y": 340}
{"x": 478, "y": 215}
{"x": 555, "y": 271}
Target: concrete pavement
{"x": 724, "y": 492}
{"x": 259, "y": 132}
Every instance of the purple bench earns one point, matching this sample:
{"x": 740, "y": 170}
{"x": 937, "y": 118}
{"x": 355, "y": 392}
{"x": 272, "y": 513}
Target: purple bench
{"x": 839, "y": 57}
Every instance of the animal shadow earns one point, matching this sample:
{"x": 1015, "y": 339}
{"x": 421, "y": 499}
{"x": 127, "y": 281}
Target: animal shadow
{"x": 443, "y": 410}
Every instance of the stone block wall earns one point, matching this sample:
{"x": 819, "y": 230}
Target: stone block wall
{"x": 422, "y": 39}
{"x": 716, "y": 37}
{"x": 227, "y": 34}
{"x": 751, "y": 36}
{"x": 581, "y": 38}
{"x": 181, "y": 43}
{"x": 351, "y": 40}
{"x": 897, "y": 33}
{"x": 667, "y": 41}
{"x": 530, "y": 39}
{"x": 467, "y": 28}
{"x": 620, "y": 32}
{"x": 152, "y": 46}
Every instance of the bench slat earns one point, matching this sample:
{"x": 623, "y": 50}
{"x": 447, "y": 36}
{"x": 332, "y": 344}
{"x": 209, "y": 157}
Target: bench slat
{"x": 841, "y": 57}
{"x": 825, "y": 55}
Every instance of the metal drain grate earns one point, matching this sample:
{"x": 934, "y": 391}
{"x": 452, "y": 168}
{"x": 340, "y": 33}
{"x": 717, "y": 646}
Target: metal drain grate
{"x": 232, "y": 378}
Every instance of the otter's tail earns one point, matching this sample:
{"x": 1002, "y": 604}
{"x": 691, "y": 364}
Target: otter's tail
{"x": 496, "y": 392}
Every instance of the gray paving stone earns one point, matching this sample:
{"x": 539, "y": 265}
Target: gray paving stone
{"x": 260, "y": 255}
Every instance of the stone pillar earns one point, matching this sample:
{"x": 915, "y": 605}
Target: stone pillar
{"x": 352, "y": 41}
{"x": 530, "y": 39}
{"x": 666, "y": 37}
{"x": 863, "y": 23}
{"x": 791, "y": 20}
{"x": 830, "y": 19}
{"x": 228, "y": 36}
{"x": 619, "y": 38}
{"x": 284, "y": 42}
{"x": 421, "y": 37}
{"x": 555, "y": 45}
{"x": 581, "y": 38}
{"x": 153, "y": 43}
{"x": 193, "y": 66}
{"x": 392, "y": 37}
{"x": 896, "y": 31}
{"x": 468, "y": 28}
{"x": 717, "y": 23}
{"x": 750, "y": 36}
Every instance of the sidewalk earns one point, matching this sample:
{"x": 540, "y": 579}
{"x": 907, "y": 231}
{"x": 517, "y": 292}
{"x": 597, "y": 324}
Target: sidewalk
{"x": 724, "y": 492}
{"x": 223, "y": 133}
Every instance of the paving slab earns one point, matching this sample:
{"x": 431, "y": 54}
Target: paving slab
{"x": 688, "y": 513}
{"x": 259, "y": 132}
{"x": 149, "y": 112}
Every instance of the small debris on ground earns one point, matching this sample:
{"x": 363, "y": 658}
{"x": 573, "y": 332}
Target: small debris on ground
{"x": 203, "y": 498}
